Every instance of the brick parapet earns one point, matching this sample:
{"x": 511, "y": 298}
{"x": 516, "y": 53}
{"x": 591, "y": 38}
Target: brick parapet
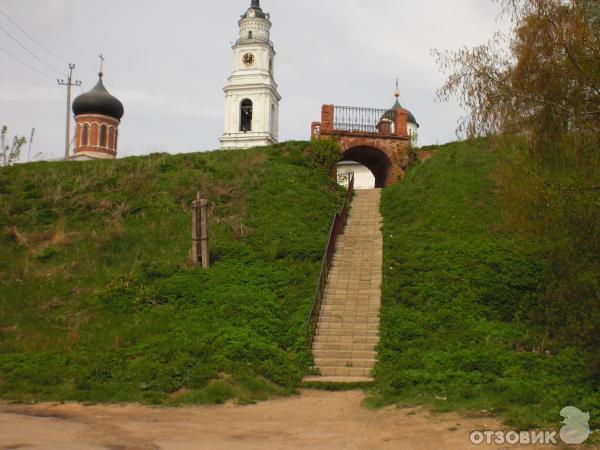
{"x": 327, "y": 118}
{"x": 401, "y": 125}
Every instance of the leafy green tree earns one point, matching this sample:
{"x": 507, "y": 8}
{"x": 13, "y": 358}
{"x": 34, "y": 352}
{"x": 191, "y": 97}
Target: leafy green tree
{"x": 537, "y": 89}
{"x": 10, "y": 153}
{"x": 541, "y": 78}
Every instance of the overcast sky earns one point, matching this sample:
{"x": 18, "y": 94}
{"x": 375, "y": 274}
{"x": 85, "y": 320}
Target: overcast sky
{"x": 167, "y": 61}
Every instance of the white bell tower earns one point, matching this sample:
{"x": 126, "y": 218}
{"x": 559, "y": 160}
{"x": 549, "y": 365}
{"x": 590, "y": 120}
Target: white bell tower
{"x": 251, "y": 97}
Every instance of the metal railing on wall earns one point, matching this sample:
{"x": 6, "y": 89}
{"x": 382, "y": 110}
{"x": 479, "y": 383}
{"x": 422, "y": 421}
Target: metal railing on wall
{"x": 337, "y": 228}
{"x": 353, "y": 118}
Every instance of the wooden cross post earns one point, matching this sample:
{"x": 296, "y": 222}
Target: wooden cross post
{"x": 200, "y": 253}
{"x": 204, "y": 234}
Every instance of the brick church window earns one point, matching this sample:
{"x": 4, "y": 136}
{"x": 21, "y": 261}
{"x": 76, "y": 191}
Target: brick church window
{"x": 85, "y": 135}
{"x": 103, "y": 136}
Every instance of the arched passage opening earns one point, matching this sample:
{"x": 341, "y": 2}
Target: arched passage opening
{"x": 376, "y": 161}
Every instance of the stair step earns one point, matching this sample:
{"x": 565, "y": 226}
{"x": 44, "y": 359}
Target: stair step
{"x": 348, "y": 333}
{"x": 351, "y": 300}
{"x": 358, "y": 363}
{"x": 353, "y": 305}
{"x": 344, "y": 371}
{"x": 332, "y": 339}
{"x": 349, "y": 314}
{"x": 341, "y": 307}
{"x": 355, "y": 294}
{"x": 348, "y": 325}
{"x": 338, "y": 379}
{"x": 345, "y": 347}
{"x": 331, "y": 310}
{"x": 347, "y": 319}
{"x": 341, "y": 354}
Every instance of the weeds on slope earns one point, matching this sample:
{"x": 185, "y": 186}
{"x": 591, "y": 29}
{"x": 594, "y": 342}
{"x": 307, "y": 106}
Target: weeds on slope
{"x": 98, "y": 301}
{"x": 458, "y": 287}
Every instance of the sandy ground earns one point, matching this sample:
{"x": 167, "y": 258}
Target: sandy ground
{"x": 314, "y": 420}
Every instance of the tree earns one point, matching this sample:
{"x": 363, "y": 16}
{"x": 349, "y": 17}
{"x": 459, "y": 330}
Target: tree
{"x": 536, "y": 89}
{"x": 541, "y": 79}
{"x": 9, "y": 154}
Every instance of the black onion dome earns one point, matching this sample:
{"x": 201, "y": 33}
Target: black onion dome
{"x": 98, "y": 101}
{"x": 390, "y": 113}
{"x": 256, "y": 9}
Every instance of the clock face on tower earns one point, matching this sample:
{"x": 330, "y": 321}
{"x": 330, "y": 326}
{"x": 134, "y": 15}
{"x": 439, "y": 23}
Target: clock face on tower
{"x": 248, "y": 59}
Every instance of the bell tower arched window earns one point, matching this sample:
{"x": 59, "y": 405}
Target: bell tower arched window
{"x": 249, "y": 34}
{"x": 246, "y": 115}
{"x": 102, "y": 136}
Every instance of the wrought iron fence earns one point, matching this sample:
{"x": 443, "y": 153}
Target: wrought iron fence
{"x": 353, "y": 118}
{"x": 337, "y": 228}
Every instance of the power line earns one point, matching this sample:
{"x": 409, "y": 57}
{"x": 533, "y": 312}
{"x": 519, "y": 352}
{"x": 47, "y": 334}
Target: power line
{"x": 29, "y": 51}
{"x": 80, "y": 83}
{"x": 64, "y": 96}
{"x": 36, "y": 42}
{"x": 27, "y": 65}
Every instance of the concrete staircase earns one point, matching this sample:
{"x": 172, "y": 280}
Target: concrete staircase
{"x": 348, "y": 326}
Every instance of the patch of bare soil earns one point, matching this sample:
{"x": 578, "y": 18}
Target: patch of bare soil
{"x": 314, "y": 420}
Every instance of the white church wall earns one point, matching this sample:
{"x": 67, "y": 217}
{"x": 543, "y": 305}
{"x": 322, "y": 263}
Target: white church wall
{"x": 413, "y": 132}
{"x": 363, "y": 177}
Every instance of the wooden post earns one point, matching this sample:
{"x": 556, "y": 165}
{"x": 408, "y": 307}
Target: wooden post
{"x": 204, "y": 233}
{"x": 196, "y": 232}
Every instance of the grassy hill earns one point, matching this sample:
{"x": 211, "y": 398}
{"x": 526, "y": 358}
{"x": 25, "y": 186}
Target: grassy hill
{"x": 458, "y": 289}
{"x": 98, "y": 301}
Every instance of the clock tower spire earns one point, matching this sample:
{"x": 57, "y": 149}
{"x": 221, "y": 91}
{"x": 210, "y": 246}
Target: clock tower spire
{"x": 251, "y": 95}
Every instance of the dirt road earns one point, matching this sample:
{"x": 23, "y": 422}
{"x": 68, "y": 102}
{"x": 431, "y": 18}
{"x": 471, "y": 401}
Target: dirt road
{"x": 314, "y": 420}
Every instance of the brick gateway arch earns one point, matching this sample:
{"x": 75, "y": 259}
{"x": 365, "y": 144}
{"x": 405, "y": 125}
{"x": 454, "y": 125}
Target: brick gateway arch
{"x": 376, "y": 138}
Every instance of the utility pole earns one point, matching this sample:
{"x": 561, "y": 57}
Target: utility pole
{"x": 69, "y": 83}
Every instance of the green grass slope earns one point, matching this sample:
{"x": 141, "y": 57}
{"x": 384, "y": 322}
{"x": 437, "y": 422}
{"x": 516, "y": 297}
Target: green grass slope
{"x": 456, "y": 288}
{"x": 98, "y": 301}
